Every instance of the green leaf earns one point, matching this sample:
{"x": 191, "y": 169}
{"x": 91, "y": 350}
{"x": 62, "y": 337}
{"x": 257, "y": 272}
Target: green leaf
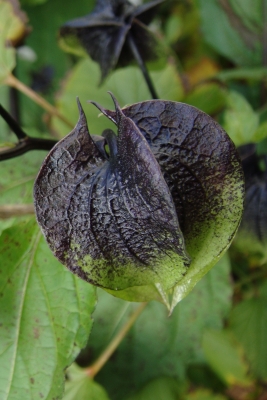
{"x": 250, "y": 12}
{"x": 45, "y": 316}
{"x": 159, "y": 345}
{"x": 165, "y": 388}
{"x": 230, "y": 36}
{"x": 7, "y": 54}
{"x": 240, "y": 121}
{"x": 208, "y": 97}
{"x": 248, "y": 321}
{"x": 83, "y": 82}
{"x": 225, "y": 357}
{"x": 261, "y": 133}
{"x": 250, "y": 74}
{"x": 204, "y": 394}
{"x": 80, "y": 386}
{"x": 16, "y": 183}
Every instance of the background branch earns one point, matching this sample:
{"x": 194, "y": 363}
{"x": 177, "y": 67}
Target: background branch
{"x": 25, "y": 143}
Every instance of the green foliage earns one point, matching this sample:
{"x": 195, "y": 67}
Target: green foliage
{"x": 234, "y": 34}
{"x": 165, "y": 388}
{"x": 225, "y": 357}
{"x": 158, "y": 344}
{"x": 240, "y": 121}
{"x": 168, "y": 82}
{"x": 45, "y": 316}
{"x": 213, "y": 346}
{"x": 248, "y": 320}
{"x": 80, "y": 386}
{"x": 8, "y": 23}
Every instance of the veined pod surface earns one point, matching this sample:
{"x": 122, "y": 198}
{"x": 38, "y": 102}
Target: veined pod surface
{"x": 152, "y": 214}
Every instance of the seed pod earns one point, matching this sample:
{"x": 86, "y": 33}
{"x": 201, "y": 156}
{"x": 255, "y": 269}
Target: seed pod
{"x": 165, "y": 201}
{"x": 104, "y": 33}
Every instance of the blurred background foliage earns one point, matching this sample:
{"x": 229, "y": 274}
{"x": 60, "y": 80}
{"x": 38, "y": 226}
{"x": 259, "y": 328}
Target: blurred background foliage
{"x": 214, "y": 57}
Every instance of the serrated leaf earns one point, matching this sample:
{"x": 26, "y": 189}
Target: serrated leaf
{"x": 225, "y": 357}
{"x": 80, "y": 386}
{"x": 45, "y": 316}
{"x": 167, "y": 82}
{"x": 159, "y": 345}
{"x": 248, "y": 321}
{"x": 239, "y": 120}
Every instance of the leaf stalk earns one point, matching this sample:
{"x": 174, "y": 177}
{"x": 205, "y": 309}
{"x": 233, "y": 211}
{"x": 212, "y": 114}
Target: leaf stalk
{"x": 93, "y": 369}
{"x": 25, "y": 142}
{"x": 12, "y": 81}
{"x": 142, "y": 66}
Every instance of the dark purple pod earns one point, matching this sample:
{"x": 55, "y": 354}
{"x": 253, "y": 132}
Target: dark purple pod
{"x": 104, "y": 32}
{"x": 152, "y": 214}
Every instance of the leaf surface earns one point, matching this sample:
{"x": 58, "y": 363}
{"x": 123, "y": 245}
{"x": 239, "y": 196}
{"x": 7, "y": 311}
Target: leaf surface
{"x": 81, "y": 386}
{"x": 232, "y": 35}
{"x": 248, "y": 321}
{"x": 45, "y": 316}
{"x": 166, "y": 388}
{"x": 225, "y": 356}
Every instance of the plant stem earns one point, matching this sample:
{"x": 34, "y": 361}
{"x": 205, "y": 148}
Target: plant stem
{"x": 15, "y": 210}
{"x": 142, "y": 66}
{"x": 12, "y": 123}
{"x": 25, "y": 143}
{"x": 104, "y": 357}
{"x": 12, "y": 81}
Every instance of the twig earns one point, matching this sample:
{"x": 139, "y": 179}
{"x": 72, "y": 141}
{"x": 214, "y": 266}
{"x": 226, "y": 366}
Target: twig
{"x": 12, "y": 81}
{"x": 25, "y": 143}
{"x": 104, "y": 357}
{"x": 15, "y": 210}
{"x": 142, "y": 66}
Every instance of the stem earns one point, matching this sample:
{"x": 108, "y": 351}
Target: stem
{"x": 15, "y": 210}
{"x": 12, "y": 81}
{"x": 25, "y": 143}
{"x": 104, "y": 357}
{"x": 142, "y": 66}
{"x": 14, "y": 126}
